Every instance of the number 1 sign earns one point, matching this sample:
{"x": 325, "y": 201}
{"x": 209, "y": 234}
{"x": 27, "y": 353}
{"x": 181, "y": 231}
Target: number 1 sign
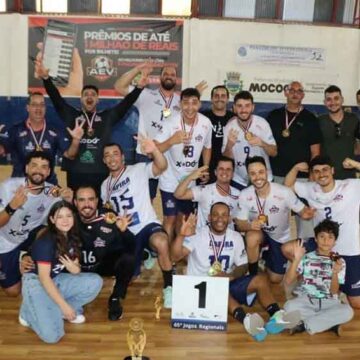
{"x": 199, "y": 302}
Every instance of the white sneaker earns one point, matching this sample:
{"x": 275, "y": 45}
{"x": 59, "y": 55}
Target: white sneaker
{"x": 150, "y": 261}
{"x": 23, "y": 322}
{"x": 80, "y": 319}
{"x": 167, "y": 295}
{"x": 254, "y": 325}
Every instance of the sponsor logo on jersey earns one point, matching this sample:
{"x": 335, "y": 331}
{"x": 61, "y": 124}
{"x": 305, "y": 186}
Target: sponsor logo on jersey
{"x": 46, "y": 145}
{"x": 274, "y": 209}
{"x": 41, "y": 209}
{"x": 93, "y": 141}
{"x": 23, "y": 133}
{"x": 199, "y": 138}
{"x": 157, "y": 126}
{"x": 97, "y": 118}
{"x": 30, "y": 146}
{"x": 52, "y": 133}
{"x": 338, "y": 197}
{"x": 121, "y": 184}
{"x": 170, "y": 204}
{"x": 186, "y": 163}
{"x": 99, "y": 242}
{"x": 176, "y": 108}
{"x": 240, "y": 163}
{"x": 105, "y": 229}
{"x": 356, "y": 285}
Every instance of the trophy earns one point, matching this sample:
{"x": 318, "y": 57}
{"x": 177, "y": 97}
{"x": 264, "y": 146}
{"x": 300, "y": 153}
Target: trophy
{"x": 136, "y": 340}
{"x": 158, "y": 307}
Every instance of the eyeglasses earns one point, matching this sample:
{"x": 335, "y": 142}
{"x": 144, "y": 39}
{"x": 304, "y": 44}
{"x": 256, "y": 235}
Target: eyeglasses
{"x": 337, "y": 130}
{"x": 297, "y": 92}
{"x": 37, "y": 105}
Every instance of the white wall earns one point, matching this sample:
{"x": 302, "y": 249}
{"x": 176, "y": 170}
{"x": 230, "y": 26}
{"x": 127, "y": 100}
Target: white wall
{"x": 210, "y": 48}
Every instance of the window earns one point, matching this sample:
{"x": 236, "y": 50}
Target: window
{"x": 115, "y": 7}
{"x": 240, "y": 8}
{"x": 176, "y": 8}
{"x": 298, "y": 10}
{"x": 144, "y": 7}
{"x": 51, "y": 6}
{"x": 3, "y": 5}
{"x": 209, "y": 7}
{"x": 83, "y": 6}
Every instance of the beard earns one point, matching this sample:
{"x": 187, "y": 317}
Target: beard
{"x": 168, "y": 84}
{"x": 36, "y": 179}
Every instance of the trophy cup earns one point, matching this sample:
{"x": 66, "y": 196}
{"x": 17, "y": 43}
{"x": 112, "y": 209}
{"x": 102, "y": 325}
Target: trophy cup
{"x": 136, "y": 340}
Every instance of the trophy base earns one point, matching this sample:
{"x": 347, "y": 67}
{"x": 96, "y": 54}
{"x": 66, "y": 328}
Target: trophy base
{"x": 136, "y": 358}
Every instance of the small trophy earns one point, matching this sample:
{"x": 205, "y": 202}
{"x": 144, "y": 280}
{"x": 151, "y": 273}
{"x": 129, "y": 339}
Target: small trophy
{"x": 158, "y": 307}
{"x": 136, "y": 340}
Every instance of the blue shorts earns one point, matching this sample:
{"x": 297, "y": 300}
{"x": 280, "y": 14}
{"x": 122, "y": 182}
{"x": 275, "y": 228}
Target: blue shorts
{"x": 238, "y": 290}
{"x": 274, "y": 258}
{"x": 143, "y": 241}
{"x": 310, "y": 245}
{"x": 352, "y": 276}
{"x": 172, "y": 206}
{"x": 10, "y": 267}
{"x": 153, "y": 183}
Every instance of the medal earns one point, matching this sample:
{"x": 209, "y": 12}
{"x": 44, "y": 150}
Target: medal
{"x": 39, "y": 148}
{"x": 334, "y": 256}
{"x": 186, "y": 148}
{"x": 216, "y": 266}
{"x": 263, "y": 219}
{"x": 245, "y": 126}
{"x": 285, "y": 133}
{"x": 166, "y": 112}
{"x": 248, "y": 135}
{"x": 90, "y": 132}
{"x": 226, "y": 192}
{"x": 108, "y": 205}
{"x": 37, "y": 142}
{"x": 54, "y": 191}
{"x": 110, "y": 218}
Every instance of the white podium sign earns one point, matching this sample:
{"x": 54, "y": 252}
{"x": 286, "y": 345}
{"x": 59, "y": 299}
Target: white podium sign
{"x": 199, "y": 302}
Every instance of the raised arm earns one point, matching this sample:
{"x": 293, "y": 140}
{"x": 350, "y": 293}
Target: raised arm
{"x": 291, "y": 176}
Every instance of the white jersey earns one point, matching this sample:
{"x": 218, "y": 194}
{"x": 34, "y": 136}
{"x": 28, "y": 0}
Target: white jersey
{"x": 202, "y": 256}
{"x": 179, "y": 165}
{"x": 208, "y": 195}
{"x": 32, "y": 214}
{"x": 131, "y": 195}
{"x": 341, "y": 205}
{"x": 242, "y": 149}
{"x": 277, "y": 206}
{"x": 150, "y": 104}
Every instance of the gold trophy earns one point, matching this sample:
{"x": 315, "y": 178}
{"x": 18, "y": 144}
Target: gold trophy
{"x": 158, "y": 307}
{"x": 136, "y": 340}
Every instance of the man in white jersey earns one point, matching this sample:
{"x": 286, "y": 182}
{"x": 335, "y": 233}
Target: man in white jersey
{"x": 126, "y": 191}
{"x": 264, "y": 210}
{"x": 185, "y": 138}
{"x": 215, "y": 250}
{"x": 247, "y": 135}
{"x": 24, "y": 205}
{"x": 207, "y": 195}
{"x": 155, "y": 106}
{"x": 337, "y": 200}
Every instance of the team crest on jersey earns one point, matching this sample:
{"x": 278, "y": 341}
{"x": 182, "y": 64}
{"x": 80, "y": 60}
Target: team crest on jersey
{"x": 23, "y": 133}
{"x": 274, "y": 209}
{"x": 99, "y": 242}
{"x": 176, "y": 108}
{"x": 97, "y": 118}
{"x": 199, "y": 138}
{"x": 338, "y": 197}
{"x": 46, "y": 145}
{"x": 170, "y": 204}
{"x": 105, "y": 229}
{"x": 41, "y": 209}
{"x": 52, "y": 133}
{"x": 157, "y": 102}
{"x": 30, "y": 146}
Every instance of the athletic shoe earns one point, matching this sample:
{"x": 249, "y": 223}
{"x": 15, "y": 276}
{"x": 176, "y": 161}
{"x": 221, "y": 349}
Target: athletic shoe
{"x": 115, "y": 311}
{"x": 149, "y": 262}
{"x": 299, "y": 328}
{"x": 23, "y": 322}
{"x": 254, "y": 325}
{"x": 336, "y": 330}
{"x": 167, "y": 295}
{"x": 282, "y": 320}
{"x": 80, "y": 319}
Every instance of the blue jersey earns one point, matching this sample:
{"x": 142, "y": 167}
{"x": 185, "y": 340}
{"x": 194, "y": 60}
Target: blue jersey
{"x": 19, "y": 142}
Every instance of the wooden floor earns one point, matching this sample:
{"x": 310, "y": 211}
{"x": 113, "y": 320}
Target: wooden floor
{"x": 101, "y": 339}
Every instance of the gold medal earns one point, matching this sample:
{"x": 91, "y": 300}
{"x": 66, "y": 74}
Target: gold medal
{"x": 248, "y": 135}
{"x": 263, "y": 219}
{"x": 166, "y": 112}
{"x": 39, "y": 148}
{"x": 108, "y": 205}
{"x": 90, "y": 131}
{"x": 285, "y": 133}
{"x": 110, "y": 218}
{"x": 215, "y": 268}
{"x": 54, "y": 191}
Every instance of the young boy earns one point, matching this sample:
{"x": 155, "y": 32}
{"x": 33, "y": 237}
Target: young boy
{"x": 322, "y": 274}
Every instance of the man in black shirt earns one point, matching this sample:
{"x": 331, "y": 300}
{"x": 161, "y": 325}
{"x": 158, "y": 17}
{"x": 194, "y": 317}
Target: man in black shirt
{"x": 219, "y": 116}
{"x": 108, "y": 248}
{"x": 88, "y": 166}
{"x": 296, "y": 132}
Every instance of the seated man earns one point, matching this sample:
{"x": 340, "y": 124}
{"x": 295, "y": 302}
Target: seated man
{"x": 219, "y": 251}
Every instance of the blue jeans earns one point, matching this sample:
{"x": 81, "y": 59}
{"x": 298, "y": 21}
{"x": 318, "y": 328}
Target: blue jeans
{"x": 41, "y": 312}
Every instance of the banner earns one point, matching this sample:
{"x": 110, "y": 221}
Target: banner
{"x": 101, "y": 50}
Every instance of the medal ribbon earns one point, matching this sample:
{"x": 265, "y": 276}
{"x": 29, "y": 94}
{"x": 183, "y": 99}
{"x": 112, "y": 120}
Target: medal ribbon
{"x": 183, "y": 126}
{"x": 168, "y": 102}
{"x": 217, "y": 253}
{"x": 287, "y": 124}
{"x": 37, "y": 143}
{"x": 245, "y": 128}
{"x": 259, "y": 206}
{"x": 228, "y": 193}
{"x": 88, "y": 121}
{"x": 110, "y": 185}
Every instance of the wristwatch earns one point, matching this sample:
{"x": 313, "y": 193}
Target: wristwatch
{"x": 9, "y": 210}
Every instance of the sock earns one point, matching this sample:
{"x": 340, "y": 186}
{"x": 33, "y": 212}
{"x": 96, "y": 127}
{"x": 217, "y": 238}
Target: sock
{"x": 272, "y": 309}
{"x": 239, "y": 314}
{"x": 253, "y": 268}
{"x": 167, "y": 276}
